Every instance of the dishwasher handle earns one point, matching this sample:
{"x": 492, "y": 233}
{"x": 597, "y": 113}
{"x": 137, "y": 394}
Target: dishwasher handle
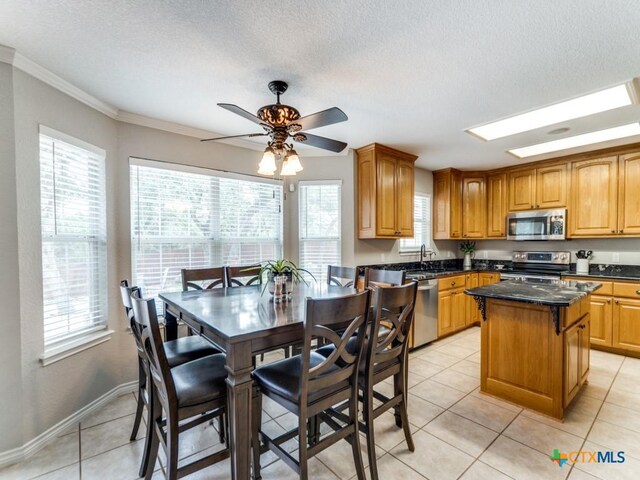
{"x": 427, "y": 286}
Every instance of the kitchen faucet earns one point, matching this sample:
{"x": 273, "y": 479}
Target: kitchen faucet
{"x": 423, "y": 253}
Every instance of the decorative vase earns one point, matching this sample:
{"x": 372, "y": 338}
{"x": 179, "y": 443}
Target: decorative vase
{"x": 271, "y": 284}
{"x": 582, "y": 265}
{"x": 466, "y": 264}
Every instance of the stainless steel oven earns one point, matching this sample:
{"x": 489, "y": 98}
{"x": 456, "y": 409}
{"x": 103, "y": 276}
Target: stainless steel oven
{"x": 537, "y": 225}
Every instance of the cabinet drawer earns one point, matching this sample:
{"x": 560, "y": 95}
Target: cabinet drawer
{"x": 605, "y": 289}
{"x": 629, "y": 290}
{"x": 451, "y": 282}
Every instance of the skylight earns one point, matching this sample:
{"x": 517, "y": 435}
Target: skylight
{"x": 597, "y": 102}
{"x": 578, "y": 140}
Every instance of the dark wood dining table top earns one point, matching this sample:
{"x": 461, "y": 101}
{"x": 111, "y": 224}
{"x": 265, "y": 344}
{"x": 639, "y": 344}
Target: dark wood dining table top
{"x": 239, "y": 313}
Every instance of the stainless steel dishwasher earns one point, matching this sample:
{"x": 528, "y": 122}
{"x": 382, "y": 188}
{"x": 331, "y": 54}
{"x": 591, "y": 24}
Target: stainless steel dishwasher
{"x": 425, "y": 321}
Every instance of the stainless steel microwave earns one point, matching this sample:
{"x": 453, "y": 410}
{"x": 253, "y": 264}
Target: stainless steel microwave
{"x": 537, "y": 225}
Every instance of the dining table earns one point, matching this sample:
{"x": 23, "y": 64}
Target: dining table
{"x": 243, "y": 322}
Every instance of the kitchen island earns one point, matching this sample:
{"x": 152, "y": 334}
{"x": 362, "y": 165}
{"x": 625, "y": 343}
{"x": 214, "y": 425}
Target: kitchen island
{"x": 535, "y": 342}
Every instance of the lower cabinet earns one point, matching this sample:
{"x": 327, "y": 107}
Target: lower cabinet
{"x": 601, "y": 320}
{"x": 451, "y": 311}
{"x": 576, "y": 360}
{"x": 473, "y": 314}
{"x": 487, "y": 278}
{"x": 626, "y": 324}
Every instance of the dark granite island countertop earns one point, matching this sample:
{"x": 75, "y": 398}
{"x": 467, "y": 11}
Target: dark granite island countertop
{"x": 562, "y": 294}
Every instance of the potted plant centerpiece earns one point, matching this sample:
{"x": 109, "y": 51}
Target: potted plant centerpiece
{"x": 286, "y": 268}
{"x": 469, "y": 250}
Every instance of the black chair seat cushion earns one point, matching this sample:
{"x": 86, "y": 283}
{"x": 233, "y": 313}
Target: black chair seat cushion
{"x": 283, "y": 378}
{"x": 201, "y": 380}
{"x": 187, "y": 349}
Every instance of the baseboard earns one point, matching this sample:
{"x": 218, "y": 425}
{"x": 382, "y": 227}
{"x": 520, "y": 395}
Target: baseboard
{"x": 20, "y": 454}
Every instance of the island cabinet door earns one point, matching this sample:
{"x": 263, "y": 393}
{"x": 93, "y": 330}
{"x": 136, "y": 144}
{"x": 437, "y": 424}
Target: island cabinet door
{"x": 572, "y": 372}
{"x": 601, "y": 320}
{"x": 626, "y": 324}
{"x": 585, "y": 327}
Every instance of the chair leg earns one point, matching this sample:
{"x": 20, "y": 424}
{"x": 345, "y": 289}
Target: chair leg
{"x": 303, "y": 456}
{"x": 155, "y": 419}
{"x": 146, "y": 453}
{"x": 256, "y": 419}
{"x": 142, "y": 380}
{"x": 399, "y": 379}
{"x": 172, "y": 447}
{"x": 355, "y": 436}
{"x": 367, "y": 400}
{"x": 221, "y": 431}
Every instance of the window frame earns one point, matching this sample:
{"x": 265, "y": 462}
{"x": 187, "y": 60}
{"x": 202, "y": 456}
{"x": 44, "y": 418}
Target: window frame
{"x": 415, "y": 249}
{"x": 79, "y": 339}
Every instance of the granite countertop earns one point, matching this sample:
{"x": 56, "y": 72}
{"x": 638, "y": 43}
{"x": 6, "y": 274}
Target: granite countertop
{"x": 560, "y": 295}
{"x": 614, "y": 275}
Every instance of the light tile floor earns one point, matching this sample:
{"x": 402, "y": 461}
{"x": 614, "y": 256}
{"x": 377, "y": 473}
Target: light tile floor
{"x": 458, "y": 431}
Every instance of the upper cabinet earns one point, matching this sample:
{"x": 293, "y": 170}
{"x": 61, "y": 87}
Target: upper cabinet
{"x": 497, "y": 205}
{"x": 537, "y": 188}
{"x": 385, "y": 183}
{"x": 474, "y": 206}
{"x": 447, "y": 204}
{"x": 629, "y": 194}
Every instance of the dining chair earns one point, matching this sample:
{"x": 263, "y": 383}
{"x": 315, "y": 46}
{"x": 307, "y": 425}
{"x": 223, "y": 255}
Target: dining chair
{"x": 309, "y": 384}
{"x": 178, "y": 352}
{"x": 207, "y": 278}
{"x": 183, "y": 397}
{"x": 243, "y": 276}
{"x": 342, "y": 276}
{"x": 386, "y": 277}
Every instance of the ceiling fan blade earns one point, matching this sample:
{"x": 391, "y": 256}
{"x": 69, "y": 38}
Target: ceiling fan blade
{"x": 235, "y": 136}
{"x": 322, "y": 142}
{"x": 321, "y": 119}
{"x": 240, "y": 111}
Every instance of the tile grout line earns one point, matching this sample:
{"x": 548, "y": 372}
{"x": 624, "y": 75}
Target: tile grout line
{"x": 79, "y": 451}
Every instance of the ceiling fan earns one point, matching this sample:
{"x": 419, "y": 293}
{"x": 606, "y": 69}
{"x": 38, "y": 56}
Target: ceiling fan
{"x": 281, "y": 122}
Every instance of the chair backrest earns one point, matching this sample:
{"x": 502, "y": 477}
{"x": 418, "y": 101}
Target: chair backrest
{"x": 342, "y": 276}
{"x": 208, "y": 278}
{"x": 323, "y": 318}
{"x": 145, "y": 314}
{"x": 243, "y": 276}
{"x": 125, "y": 292}
{"x": 393, "y": 308}
{"x": 389, "y": 277}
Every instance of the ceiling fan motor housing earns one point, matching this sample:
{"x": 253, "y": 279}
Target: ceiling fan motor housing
{"x": 278, "y": 115}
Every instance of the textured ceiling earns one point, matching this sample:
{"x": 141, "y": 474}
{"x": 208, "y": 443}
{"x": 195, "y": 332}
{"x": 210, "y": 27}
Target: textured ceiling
{"x": 410, "y": 74}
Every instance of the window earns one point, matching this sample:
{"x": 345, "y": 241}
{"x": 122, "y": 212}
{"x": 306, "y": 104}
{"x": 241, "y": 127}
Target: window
{"x": 421, "y": 225}
{"x": 188, "y": 217}
{"x": 319, "y": 226}
{"x": 74, "y": 246}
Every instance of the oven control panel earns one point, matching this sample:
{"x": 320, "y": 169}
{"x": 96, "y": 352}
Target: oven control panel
{"x": 557, "y": 258}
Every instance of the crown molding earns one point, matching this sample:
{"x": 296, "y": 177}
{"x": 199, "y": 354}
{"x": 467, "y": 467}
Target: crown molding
{"x": 7, "y": 54}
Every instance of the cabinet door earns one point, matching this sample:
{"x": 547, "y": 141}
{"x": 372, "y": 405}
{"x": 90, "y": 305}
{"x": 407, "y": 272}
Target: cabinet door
{"x": 459, "y": 309}
{"x": 629, "y": 195}
{"x": 386, "y": 196}
{"x": 551, "y": 186}
{"x": 585, "y": 328}
{"x": 487, "y": 278}
{"x": 522, "y": 189}
{"x": 626, "y": 324}
{"x": 571, "y": 362}
{"x": 456, "y": 205}
{"x": 497, "y": 205}
{"x": 404, "y": 190}
{"x": 445, "y": 310}
{"x": 474, "y": 207}
{"x": 594, "y": 185}
{"x": 366, "y": 194}
{"x": 601, "y": 320}
{"x": 472, "y": 309}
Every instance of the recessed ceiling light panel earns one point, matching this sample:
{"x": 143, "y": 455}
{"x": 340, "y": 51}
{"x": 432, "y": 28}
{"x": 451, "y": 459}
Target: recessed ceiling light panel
{"x": 578, "y": 140}
{"x": 608, "y": 99}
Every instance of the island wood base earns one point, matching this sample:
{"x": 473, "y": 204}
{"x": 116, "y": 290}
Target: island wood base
{"x": 524, "y": 360}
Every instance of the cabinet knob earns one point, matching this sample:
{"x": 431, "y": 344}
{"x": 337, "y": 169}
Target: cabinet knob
{"x": 582, "y": 327}
{"x": 453, "y": 283}
{"x": 609, "y": 301}
{"x": 617, "y": 301}
{"x": 621, "y": 231}
{"x": 613, "y": 231}
{"x": 637, "y": 292}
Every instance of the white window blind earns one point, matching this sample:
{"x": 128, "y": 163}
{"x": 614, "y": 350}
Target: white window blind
{"x": 319, "y": 226}
{"x": 187, "y": 217}
{"x": 74, "y": 247}
{"x": 421, "y": 225}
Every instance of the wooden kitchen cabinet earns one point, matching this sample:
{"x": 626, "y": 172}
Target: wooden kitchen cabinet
{"x": 447, "y": 204}
{"x": 576, "y": 360}
{"x": 601, "y": 320}
{"x": 629, "y": 194}
{"x": 593, "y": 209}
{"x": 626, "y": 324}
{"x": 452, "y": 306}
{"x": 487, "y": 278}
{"x": 385, "y": 182}
{"x": 538, "y": 188}
{"x": 473, "y": 315}
{"x": 497, "y": 205}
{"x": 474, "y": 206}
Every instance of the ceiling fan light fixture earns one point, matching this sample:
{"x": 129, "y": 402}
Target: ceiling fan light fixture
{"x": 288, "y": 169}
{"x": 267, "y": 165}
{"x": 293, "y": 161}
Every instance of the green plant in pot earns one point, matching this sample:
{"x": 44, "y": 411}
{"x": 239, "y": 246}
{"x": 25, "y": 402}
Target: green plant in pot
{"x": 469, "y": 250}
{"x": 286, "y": 268}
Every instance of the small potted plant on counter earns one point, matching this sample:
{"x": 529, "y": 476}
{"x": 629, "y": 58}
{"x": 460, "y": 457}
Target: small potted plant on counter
{"x": 283, "y": 268}
{"x": 469, "y": 250}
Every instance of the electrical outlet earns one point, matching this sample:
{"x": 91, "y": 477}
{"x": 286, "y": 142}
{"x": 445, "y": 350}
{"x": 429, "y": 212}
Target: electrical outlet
{"x": 615, "y": 258}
